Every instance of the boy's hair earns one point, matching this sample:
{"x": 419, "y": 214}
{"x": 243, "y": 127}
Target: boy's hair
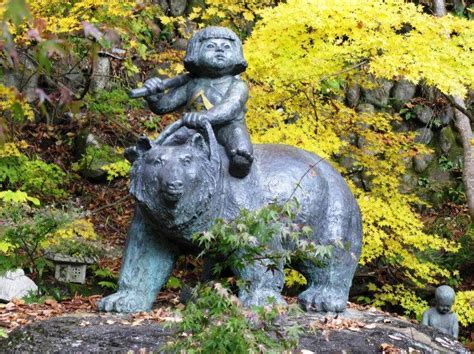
{"x": 191, "y": 61}
{"x": 445, "y": 293}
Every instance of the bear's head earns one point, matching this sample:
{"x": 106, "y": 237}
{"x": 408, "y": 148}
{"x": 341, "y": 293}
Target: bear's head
{"x": 175, "y": 183}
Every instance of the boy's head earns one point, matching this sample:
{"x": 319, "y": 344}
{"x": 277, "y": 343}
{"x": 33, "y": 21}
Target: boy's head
{"x": 444, "y": 299}
{"x": 215, "y": 51}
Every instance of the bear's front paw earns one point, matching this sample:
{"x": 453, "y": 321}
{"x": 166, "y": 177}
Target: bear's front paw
{"x": 323, "y": 299}
{"x": 124, "y": 302}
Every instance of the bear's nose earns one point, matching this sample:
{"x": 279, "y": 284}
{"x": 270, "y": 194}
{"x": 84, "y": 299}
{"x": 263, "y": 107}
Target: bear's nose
{"x": 178, "y": 184}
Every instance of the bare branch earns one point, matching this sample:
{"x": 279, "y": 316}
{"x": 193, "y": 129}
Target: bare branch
{"x": 350, "y": 68}
{"x": 460, "y": 108}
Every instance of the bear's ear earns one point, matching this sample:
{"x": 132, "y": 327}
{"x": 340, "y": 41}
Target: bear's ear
{"x": 134, "y": 152}
{"x": 197, "y": 141}
{"x": 131, "y": 154}
{"x": 143, "y": 144}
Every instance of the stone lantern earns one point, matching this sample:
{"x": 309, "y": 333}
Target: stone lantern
{"x": 70, "y": 269}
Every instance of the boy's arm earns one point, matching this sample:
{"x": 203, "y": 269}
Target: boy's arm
{"x": 426, "y": 318}
{"x": 231, "y": 106}
{"x": 455, "y": 326}
{"x": 168, "y": 102}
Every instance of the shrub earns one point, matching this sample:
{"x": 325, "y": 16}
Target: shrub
{"x": 33, "y": 176}
{"x": 215, "y": 322}
{"x": 32, "y": 233}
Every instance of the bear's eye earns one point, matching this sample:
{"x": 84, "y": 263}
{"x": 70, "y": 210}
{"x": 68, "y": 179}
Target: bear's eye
{"x": 210, "y": 46}
{"x": 186, "y": 160}
{"x": 227, "y": 46}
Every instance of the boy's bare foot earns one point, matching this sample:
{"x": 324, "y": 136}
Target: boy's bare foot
{"x": 240, "y": 162}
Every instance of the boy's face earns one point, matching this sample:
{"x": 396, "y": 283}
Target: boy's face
{"x": 216, "y": 54}
{"x": 444, "y": 305}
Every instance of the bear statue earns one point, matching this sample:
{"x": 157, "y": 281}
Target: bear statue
{"x": 204, "y": 166}
{"x": 182, "y": 185}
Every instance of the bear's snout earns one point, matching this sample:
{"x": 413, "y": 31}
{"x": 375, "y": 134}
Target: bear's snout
{"x": 173, "y": 190}
{"x": 175, "y": 185}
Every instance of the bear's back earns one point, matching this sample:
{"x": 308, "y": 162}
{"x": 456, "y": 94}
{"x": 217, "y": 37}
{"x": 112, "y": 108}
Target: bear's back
{"x": 280, "y": 172}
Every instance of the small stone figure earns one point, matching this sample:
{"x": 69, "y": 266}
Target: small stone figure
{"x": 212, "y": 92}
{"x": 440, "y": 316}
{"x": 14, "y": 284}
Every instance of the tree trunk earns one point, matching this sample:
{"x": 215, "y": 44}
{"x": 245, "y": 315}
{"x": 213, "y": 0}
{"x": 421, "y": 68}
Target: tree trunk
{"x": 463, "y": 125}
{"x": 439, "y": 8}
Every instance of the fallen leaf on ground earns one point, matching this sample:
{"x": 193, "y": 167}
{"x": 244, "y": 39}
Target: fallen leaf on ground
{"x": 388, "y": 348}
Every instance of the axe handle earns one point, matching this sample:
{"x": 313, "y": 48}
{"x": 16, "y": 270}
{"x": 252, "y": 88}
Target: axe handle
{"x": 167, "y": 84}
{"x": 176, "y": 81}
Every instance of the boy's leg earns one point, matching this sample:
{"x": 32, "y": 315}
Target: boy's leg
{"x": 236, "y": 140}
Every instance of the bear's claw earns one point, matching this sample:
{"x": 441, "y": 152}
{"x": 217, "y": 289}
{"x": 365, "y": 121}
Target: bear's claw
{"x": 123, "y": 301}
{"x": 323, "y": 299}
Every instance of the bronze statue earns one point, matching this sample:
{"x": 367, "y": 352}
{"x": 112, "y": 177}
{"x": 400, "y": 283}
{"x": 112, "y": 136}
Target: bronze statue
{"x": 200, "y": 168}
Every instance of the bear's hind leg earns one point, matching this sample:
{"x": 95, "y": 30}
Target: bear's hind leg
{"x": 330, "y": 283}
{"x": 264, "y": 279}
{"x": 146, "y": 266}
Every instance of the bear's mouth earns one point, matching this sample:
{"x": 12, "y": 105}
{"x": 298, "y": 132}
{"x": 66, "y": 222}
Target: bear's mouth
{"x": 173, "y": 195}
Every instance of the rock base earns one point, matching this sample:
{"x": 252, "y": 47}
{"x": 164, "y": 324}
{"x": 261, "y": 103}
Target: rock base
{"x": 352, "y": 332}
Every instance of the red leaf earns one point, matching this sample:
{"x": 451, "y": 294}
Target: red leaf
{"x": 42, "y": 96}
{"x": 66, "y": 95}
{"x": 34, "y": 34}
{"x": 40, "y": 24}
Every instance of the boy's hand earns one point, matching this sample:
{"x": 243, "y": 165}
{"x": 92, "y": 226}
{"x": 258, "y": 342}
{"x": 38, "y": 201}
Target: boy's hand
{"x": 195, "y": 120}
{"x": 154, "y": 85}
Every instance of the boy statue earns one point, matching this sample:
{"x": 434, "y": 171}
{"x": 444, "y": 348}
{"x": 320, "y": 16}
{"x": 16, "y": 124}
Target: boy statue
{"x": 212, "y": 91}
{"x": 440, "y": 316}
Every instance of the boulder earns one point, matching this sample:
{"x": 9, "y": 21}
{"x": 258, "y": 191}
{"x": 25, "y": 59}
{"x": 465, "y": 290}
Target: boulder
{"x": 354, "y": 331}
{"x": 447, "y": 139}
{"x": 439, "y": 178}
{"x": 173, "y": 7}
{"x": 82, "y": 140}
{"x": 24, "y": 77}
{"x": 422, "y": 161}
{"x": 177, "y": 7}
{"x": 180, "y": 44}
{"x": 378, "y": 96}
{"x": 424, "y": 136}
{"x": 409, "y": 183}
{"x": 402, "y": 92}
{"x": 353, "y": 95}
{"x": 446, "y": 115}
{"x": 424, "y": 114}
{"x": 14, "y": 284}
{"x": 92, "y": 169}
{"x": 401, "y": 125}
{"x": 365, "y": 108}
{"x": 429, "y": 92}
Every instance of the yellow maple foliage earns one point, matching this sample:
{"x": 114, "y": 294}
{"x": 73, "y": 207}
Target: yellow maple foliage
{"x": 300, "y": 52}
{"x": 13, "y": 102}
